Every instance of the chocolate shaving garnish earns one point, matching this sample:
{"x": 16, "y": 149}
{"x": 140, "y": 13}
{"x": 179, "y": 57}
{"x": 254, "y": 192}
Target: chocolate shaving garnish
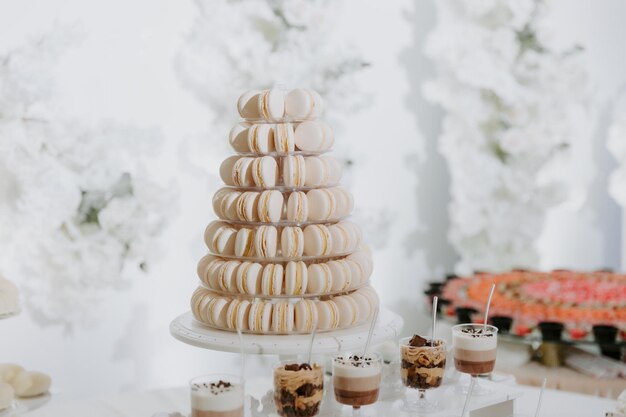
{"x": 292, "y": 367}
{"x": 305, "y": 366}
{"x": 417, "y": 341}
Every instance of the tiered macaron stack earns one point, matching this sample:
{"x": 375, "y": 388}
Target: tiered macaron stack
{"x": 283, "y": 255}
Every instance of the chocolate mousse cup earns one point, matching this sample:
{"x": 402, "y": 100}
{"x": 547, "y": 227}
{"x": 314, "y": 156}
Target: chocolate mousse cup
{"x": 356, "y": 379}
{"x": 423, "y": 363}
{"x": 217, "y": 396}
{"x": 474, "y": 348}
{"x": 298, "y": 388}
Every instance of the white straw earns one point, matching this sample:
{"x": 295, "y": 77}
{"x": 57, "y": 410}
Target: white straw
{"x": 469, "y": 395}
{"x": 241, "y": 351}
{"x": 308, "y": 356}
{"x": 493, "y": 287}
{"x": 543, "y": 388}
{"x": 369, "y": 336}
{"x": 432, "y": 334}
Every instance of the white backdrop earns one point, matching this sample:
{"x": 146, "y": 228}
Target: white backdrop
{"x": 123, "y": 70}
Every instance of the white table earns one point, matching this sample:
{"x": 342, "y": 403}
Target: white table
{"x": 556, "y": 403}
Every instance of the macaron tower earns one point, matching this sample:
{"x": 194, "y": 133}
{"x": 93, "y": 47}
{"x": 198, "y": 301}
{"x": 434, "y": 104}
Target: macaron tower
{"x": 283, "y": 255}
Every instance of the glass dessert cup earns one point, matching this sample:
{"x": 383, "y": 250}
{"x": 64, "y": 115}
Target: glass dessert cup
{"x": 218, "y": 395}
{"x": 475, "y": 347}
{"x": 422, "y": 368}
{"x": 298, "y": 388}
{"x": 356, "y": 380}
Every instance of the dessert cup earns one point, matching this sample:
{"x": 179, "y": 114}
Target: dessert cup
{"x": 217, "y": 395}
{"x": 422, "y": 368}
{"x": 475, "y": 347}
{"x": 356, "y": 380}
{"x": 298, "y": 388}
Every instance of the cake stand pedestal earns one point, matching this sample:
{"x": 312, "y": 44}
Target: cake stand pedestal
{"x": 188, "y": 330}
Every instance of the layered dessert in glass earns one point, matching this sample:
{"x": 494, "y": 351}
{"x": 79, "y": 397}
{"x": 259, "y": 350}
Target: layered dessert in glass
{"x": 423, "y": 363}
{"x": 298, "y": 388}
{"x": 217, "y": 396}
{"x": 356, "y": 379}
{"x": 475, "y": 347}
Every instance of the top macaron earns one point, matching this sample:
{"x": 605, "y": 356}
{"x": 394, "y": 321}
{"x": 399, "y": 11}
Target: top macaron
{"x": 277, "y": 105}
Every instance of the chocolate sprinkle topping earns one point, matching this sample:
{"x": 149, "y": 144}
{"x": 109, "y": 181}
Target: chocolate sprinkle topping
{"x": 356, "y": 361}
{"x": 298, "y": 367}
{"x": 477, "y": 332}
{"x": 214, "y": 387}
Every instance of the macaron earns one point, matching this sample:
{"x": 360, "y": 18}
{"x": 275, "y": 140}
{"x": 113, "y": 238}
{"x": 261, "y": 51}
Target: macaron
{"x": 297, "y": 207}
{"x": 271, "y": 104}
{"x": 342, "y": 238}
{"x": 264, "y": 171}
{"x": 270, "y": 206}
{"x": 303, "y": 104}
{"x": 248, "y": 206}
{"x": 344, "y": 200}
{"x": 294, "y": 171}
{"x": 265, "y": 241}
{"x": 237, "y": 314}
{"x": 196, "y": 301}
{"x": 284, "y": 137}
{"x": 238, "y": 137}
{"x": 248, "y": 104}
{"x": 228, "y": 276}
{"x": 305, "y": 316}
{"x": 283, "y": 317}
{"x": 296, "y": 278}
{"x": 260, "y": 138}
{"x": 244, "y": 243}
{"x": 317, "y": 240}
{"x": 241, "y": 174}
{"x": 322, "y": 204}
{"x": 216, "y": 202}
{"x": 364, "y": 261}
{"x": 317, "y": 171}
{"x": 260, "y": 316}
{"x": 249, "y": 278}
{"x": 363, "y": 305}
{"x": 203, "y": 266}
{"x": 292, "y": 242}
{"x": 314, "y": 136}
{"x": 334, "y": 169}
{"x": 348, "y": 310}
{"x": 217, "y": 311}
{"x": 227, "y": 208}
{"x": 371, "y": 297}
{"x": 356, "y": 272}
{"x": 220, "y": 239}
{"x": 327, "y": 315}
{"x": 226, "y": 169}
{"x": 320, "y": 279}
{"x": 272, "y": 279}
{"x": 341, "y": 275}
{"x": 213, "y": 274}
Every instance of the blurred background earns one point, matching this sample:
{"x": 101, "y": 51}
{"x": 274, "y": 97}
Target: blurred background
{"x": 104, "y": 101}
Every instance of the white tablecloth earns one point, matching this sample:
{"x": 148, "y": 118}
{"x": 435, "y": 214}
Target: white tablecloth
{"x": 556, "y": 403}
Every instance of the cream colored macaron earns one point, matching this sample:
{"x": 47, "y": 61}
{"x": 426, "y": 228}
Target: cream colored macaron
{"x": 238, "y": 137}
{"x": 297, "y": 207}
{"x": 294, "y": 171}
{"x": 225, "y": 203}
{"x": 249, "y": 278}
{"x": 284, "y": 137}
{"x": 342, "y": 277}
{"x": 305, "y": 316}
{"x": 204, "y": 264}
{"x": 31, "y": 384}
{"x": 292, "y": 242}
{"x": 264, "y": 171}
{"x": 303, "y": 104}
{"x": 220, "y": 238}
{"x": 334, "y": 169}
{"x": 317, "y": 171}
{"x": 320, "y": 279}
{"x": 237, "y": 314}
{"x": 344, "y": 200}
{"x": 271, "y": 104}
{"x": 260, "y": 316}
{"x": 317, "y": 240}
{"x": 348, "y": 311}
{"x": 248, "y": 104}
{"x": 217, "y": 311}
{"x": 314, "y": 136}
{"x": 328, "y": 315}
{"x": 296, "y": 278}
{"x": 283, "y": 317}
{"x": 322, "y": 204}
{"x": 272, "y": 279}
{"x": 244, "y": 243}
{"x": 248, "y": 206}
{"x": 228, "y": 276}
{"x": 266, "y": 241}
{"x": 260, "y": 138}
{"x": 342, "y": 238}
{"x": 270, "y": 206}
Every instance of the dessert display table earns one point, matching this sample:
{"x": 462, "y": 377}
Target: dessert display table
{"x": 186, "y": 329}
{"x": 555, "y": 403}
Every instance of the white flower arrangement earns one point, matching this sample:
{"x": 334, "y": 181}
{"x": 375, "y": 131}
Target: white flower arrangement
{"x": 617, "y": 146}
{"x": 511, "y": 96}
{"x": 238, "y": 45}
{"x": 78, "y": 211}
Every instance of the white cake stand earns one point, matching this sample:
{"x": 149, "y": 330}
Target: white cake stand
{"x": 188, "y": 330}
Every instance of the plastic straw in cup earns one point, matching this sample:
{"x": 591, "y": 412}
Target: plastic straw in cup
{"x": 467, "y": 399}
{"x": 432, "y": 334}
{"x": 308, "y": 356}
{"x": 493, "y": 287}
{"x": 243, "y": 356}
{"x": 543, "y": 388}
{"x": 369, "y": 335}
